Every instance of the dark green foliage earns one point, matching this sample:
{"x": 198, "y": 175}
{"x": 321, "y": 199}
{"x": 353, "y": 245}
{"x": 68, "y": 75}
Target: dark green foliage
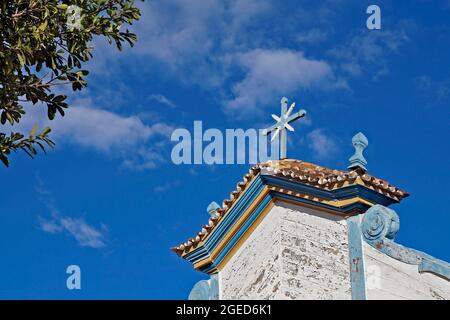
{"x": 39, "y": 50}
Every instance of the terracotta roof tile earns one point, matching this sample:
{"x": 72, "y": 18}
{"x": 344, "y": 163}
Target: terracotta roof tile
{"x": 305, "y": 172}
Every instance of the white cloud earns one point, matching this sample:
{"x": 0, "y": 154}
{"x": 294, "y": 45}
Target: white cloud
{"x": 436, "y": 91}
{"x": 176, "y": 30}
{"x": 179, "y": 32}
{"x": 312, "y": 36}
{"x": 85, "y": 234}
{"x": 161, "y": 99}
{"x": 146, "y": 157}
{"x": 195, "y": 41}
{"x": 104, "y": 130}
{"x": 186, "y": 40}
{"x": 239, "y": 17}
{"x": 226, "y": 47}
{"x": 322, "y": 145}
{"x": 274, "y": 73}
{"x": 49, "y": 226}
{"x": 138, "y": 144}
{"x": 368, "y": 51}
{"x": 167, "y": 186}
{"x": 211, "y": 44}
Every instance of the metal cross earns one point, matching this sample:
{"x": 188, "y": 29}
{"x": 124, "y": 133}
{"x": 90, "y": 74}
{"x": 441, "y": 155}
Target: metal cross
{"x": 283, "y": 123}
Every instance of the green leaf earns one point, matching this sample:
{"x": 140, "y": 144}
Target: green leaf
{"x": 60, "y": 110}
{"x": 34, "y": 130}
{"x": 59, "y": 98}
{"x": 46, "y": 131}
{"x": 21, "y": 59}
{"x": 43, "y": 26}
{"x": 41, "y": 146}
{"x": 4, "y": 159}
{"x": 51, "y": 111}
{"x": 27, "y": 152}
{"x": 40, "y": 52}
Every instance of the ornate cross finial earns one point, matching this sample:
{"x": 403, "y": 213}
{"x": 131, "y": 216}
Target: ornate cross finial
{"x": 360, "y": 142}
{"x": 283, "y": 123}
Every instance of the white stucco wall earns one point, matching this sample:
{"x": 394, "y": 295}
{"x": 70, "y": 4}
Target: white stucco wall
{"x": 388, "y": 278}
{"x": 314, "y": 255}
{"x": 294, "y": 253}
{"x": 300, "y": 253}
{"x": 253, "y": 271}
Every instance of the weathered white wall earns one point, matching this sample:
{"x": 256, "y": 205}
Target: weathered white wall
{"x": 295, "y": 253}
{"x": 300, "y": 253}
{"x": 253, "y": 271}
{"x": 314, "y": 254}
{"x": 388, "y": 278}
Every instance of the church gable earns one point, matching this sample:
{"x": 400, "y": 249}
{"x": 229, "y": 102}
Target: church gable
{"x": 343, "y": 193}
{"x": 295, "y": 230}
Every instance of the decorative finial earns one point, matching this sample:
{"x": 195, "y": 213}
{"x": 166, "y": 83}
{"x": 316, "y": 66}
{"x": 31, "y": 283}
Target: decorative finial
{"x": 212, "y": 207}
{"x": 283, "y": 123}
{"x": 359, "y": 142}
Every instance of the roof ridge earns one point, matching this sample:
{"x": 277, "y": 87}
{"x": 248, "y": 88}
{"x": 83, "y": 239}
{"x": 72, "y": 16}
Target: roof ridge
{"x": 305, "y": 172}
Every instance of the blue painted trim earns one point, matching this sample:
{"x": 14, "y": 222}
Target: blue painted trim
{"x": 379, "y": 227}
{"x": 361, "y": 207}
{"x": 253, "y": 191}
{"x": 337, "y": 194}
{"x": 261, "y": 207}
{"x": 356, "y": 261}
{"x": 232, "y": 216}
{"x": 235, "y": 213}
{"x": 440, "y": 268}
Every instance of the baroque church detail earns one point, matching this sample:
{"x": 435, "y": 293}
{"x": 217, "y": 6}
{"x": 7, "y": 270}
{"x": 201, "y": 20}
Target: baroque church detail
{"x": 296, "y": 230}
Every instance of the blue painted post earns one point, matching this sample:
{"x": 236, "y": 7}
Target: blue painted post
{"x": 355, "y": 254}
{"x": 379, "y": 227}
{"x": 206, "y": 289}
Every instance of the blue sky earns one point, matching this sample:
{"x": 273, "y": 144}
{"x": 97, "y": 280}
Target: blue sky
{"x": 108, "y": 197}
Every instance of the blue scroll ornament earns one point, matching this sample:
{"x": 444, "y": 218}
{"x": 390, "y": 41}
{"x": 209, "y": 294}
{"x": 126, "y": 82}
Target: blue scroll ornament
{"x": 379, "y": 227}
{"x": 205, "y": 289}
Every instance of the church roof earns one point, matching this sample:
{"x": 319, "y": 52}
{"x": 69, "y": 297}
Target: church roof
{"x": 302, "y": 173}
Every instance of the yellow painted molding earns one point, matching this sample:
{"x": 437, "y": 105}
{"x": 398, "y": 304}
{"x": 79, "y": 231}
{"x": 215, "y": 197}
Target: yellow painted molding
{"x": 265, "y": 191}
{"x": 234, "y": 229}
{"x": 333, "y": 203}
{"x": 229, "y": 209}
{"x": 245, "y": 236}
